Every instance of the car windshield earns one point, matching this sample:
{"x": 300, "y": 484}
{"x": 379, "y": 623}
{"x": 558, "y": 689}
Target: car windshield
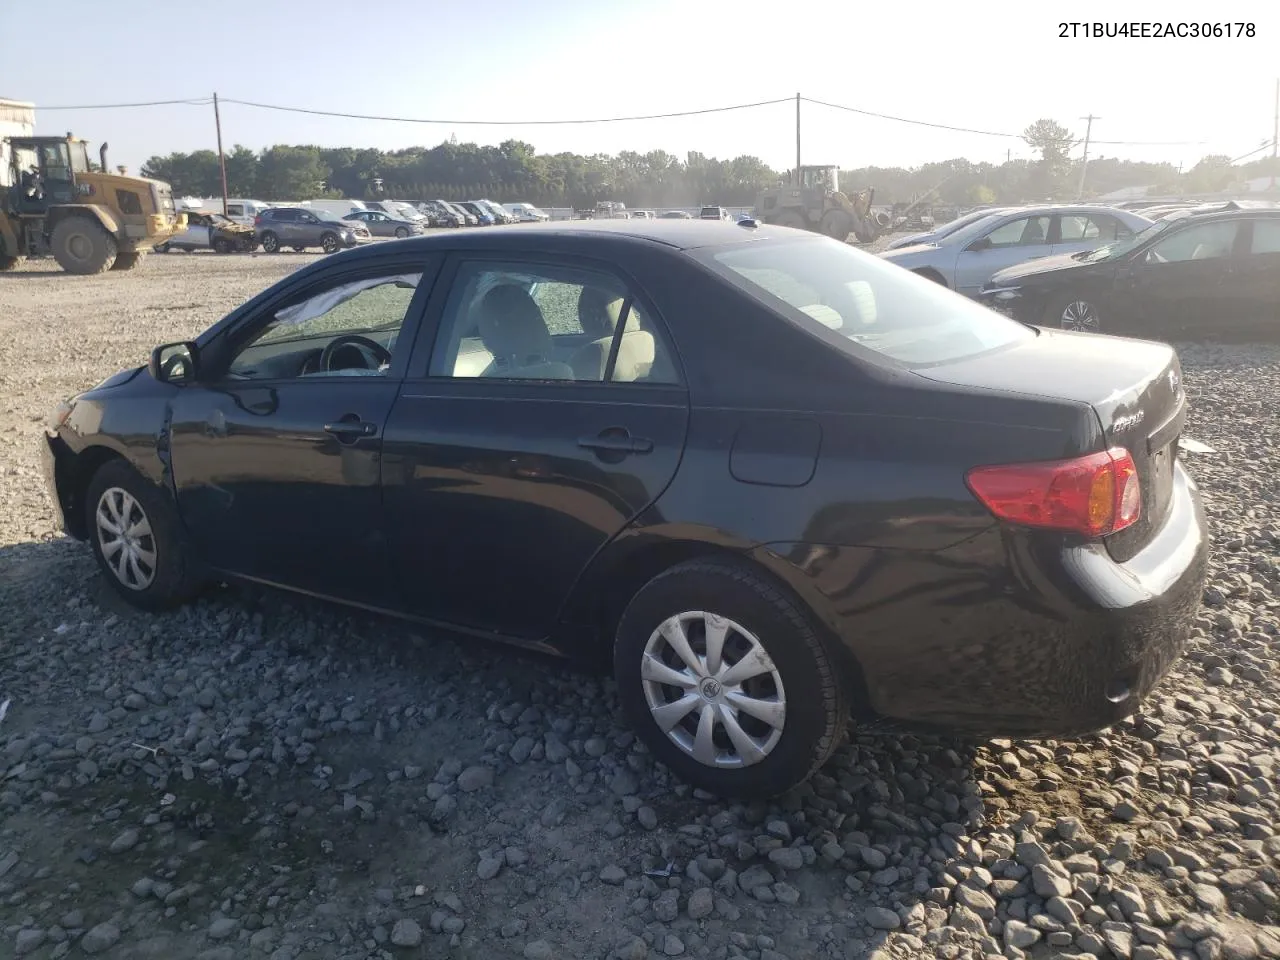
{"x": 825, "y": 287}
{"x": 961, "y": 222}
{"x": 1121, "y": 247}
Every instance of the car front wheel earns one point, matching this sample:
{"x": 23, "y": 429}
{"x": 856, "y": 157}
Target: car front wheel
{"x": 329, "y": 243}
{"x": 133, "y": 530}
{"x": 728, "y": 681}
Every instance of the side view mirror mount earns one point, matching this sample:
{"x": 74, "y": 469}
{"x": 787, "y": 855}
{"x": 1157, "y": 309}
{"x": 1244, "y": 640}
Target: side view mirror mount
{"x": 982, "y": 243}
{"x": 176, "y": 363}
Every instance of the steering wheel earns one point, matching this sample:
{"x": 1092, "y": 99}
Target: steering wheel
{"x": 380, "y": 353}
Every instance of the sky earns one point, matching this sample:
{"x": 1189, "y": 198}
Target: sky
{"x": 994, "y": 66}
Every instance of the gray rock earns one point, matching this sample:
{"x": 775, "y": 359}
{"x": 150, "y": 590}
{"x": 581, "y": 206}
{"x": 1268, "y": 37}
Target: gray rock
{"x": 667, "y": 907}
{"x": 623, "y": 783}
{"x": 475, "y": 778}
{"x": 647, "y": 817}
{"x": 788, "y": 858}
{"x": 872, "y": 857}
{"x": 102, "y": 937}
{"x": 754, "y": 876}
{"x": 1047, "y": 883}
{"x": 1119, "y": 939}
{"x": 521, "y": 749}
{"x": 1239, "y": 945}
{"x": 406, "y": 933}
{"x": 223, "y": 927}
{"x": 879, "y": 918}
{"x": 538, "y": 950}
{"x": 701, "y": 903}
{"x": 126, "y": 840}
{"x": 1018, "y": 934}
{"x": 1209, "y": 897}
{"x": 979, "y": 901}
{"x": 29, "y": 938}
{"x": 613, "y": 875}
{"x": 489, "y": 867}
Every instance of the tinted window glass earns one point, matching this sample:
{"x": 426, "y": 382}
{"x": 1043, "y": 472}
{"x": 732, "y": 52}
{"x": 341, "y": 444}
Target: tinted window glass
{"x": 1266, "y": 236}
{"x": 292, "y": 341}
{"x": 1021, "y": 232}
{"x": 515, "y": 321}
{"x": 873, "y": 303}
{"x": 1201, "y": 241}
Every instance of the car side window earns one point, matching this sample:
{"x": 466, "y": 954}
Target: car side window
{"x": 1202, "y": 241}
{"x": 516, "y": 321}
{"x": 1072, "y": 229}
{"x": 1025, "y": 231}
{"x": 350, "y": 328}
{"x": 1266, "y": 237}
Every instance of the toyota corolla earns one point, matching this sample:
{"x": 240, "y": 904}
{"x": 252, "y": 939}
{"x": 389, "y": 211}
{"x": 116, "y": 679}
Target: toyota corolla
{"x": 778, "y": 484}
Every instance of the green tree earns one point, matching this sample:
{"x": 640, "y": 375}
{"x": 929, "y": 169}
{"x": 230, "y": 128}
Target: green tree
{"x": 291, "y": 173}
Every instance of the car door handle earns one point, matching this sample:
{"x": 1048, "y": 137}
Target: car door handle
{"x": 616, "y": 441}
{"x": 351, "y": 429}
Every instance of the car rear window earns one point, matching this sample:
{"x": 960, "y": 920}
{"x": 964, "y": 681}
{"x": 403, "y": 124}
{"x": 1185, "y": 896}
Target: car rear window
{"x": 823, "y": 285}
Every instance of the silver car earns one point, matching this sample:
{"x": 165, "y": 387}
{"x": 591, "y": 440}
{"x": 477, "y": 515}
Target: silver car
{"x": 951, "y": 226}
{"x": 966, "y": 259}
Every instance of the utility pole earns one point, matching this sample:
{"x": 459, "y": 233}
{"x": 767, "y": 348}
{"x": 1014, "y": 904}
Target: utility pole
{"x": 797, "y": 176}
{"x": 1275, "y": 136}
{"x": 222, "y": 160}
{"x": 1084, "y": 165}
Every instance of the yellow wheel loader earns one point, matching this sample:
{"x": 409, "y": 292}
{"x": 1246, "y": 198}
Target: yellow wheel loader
{"x": 814, "y": 201}
{"x": 90, "y": 221}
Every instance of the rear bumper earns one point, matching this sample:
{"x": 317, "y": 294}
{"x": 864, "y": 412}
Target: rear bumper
{"x": 1006, "y": 635}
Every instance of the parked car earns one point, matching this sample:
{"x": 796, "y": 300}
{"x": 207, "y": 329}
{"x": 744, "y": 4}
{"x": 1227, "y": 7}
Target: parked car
{"x": 483, "y": 216}
{"x": 299, "y": 228}
{"x": 499, "y": 212}
{"x": 211, "y": 231}
{"x": 1200, "y": 272}
{"x": 675, "y": 215}
{"x": 382, "y": 224}
{"x": 713, "y": 213}
{"x": 439, "y": 215}
{"x": 946, "y": 229}
{"x": 469, "y": 219}
{"x": 238, "y": 209}
{"x": 336, "y": 209}
{"x": 929, "y": 512}
{"x": 643, "y": 215}
{"x": 527, "y": 213}
{"x": 964, "y": 260}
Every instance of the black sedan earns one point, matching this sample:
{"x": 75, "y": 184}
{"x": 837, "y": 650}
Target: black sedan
{"x": 1208, "y": 271}
{"x": 778, "y": 483}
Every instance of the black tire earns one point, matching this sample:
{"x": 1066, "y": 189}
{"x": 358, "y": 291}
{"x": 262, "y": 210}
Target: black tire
{"x": 163, "y": 248}
{"x": 816, "y": 695}
{"x": 330, "y": 243}
{"x": 9, "y": 263}
{"x": 837, "y": 224}
{"x": 1074, "y": 311}
{"x": 222, "y": 245}
{"x": 82, "y": 247}
{"x": 790, "y": 218}
{"x": 270, "y": 242}
{"x": 127, "y": 261}
{"x": 173, "y": 580}
{"x": 402, "y": 232}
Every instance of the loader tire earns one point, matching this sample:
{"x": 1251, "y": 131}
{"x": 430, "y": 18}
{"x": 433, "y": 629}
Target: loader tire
{"x": 81, "y": 246}
{"x": 126, "y": 261}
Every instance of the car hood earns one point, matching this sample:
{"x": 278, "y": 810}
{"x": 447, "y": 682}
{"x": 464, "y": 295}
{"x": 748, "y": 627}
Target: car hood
{"x": 1034, "y": 268}
{"x": 915, "y": 249}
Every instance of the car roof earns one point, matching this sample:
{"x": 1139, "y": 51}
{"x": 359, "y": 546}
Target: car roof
{"x": 594, "y": 234}
{"x": 1232, "y": 208}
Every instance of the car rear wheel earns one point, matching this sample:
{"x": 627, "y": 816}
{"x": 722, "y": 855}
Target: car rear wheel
{"x": 329, "y": 243}
{"x": 270, "y": 242}
{"x": 728, "y": 681}
{"x": 1073, "y": 312}
{"x": 134, "y": 536}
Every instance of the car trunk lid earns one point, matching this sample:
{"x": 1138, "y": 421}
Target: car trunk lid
{"x": 1134, "y": 387}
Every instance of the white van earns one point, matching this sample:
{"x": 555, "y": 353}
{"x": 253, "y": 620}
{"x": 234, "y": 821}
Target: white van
{"x": 526, "y": 212}
{"x": 335, "y": 208}
{"x": 238, "y": 209}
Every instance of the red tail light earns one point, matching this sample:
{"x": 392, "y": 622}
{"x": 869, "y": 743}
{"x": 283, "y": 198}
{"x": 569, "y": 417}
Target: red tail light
{"x": 1092, "y": 495}
{"x": 257, "y": 220}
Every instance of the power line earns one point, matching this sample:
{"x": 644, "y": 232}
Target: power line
{"x": 508, "y": 123}
{"x": 1244, "y": 156}
{"x": 194, "y": 102}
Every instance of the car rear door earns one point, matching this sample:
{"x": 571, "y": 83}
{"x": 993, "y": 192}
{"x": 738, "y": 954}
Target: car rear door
{"x": 1254, "y": 286}
{"x": 526, "y": 439}
{"x": 1013, "y": 241}
{"x": 1181, "y": 283}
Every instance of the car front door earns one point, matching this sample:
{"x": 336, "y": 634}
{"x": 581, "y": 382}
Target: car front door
{"x": 550, "y": 415}
{"x": 1179, "y": 284}
{"x": 1010, "y": 242}
{"x": 276, "y": 450}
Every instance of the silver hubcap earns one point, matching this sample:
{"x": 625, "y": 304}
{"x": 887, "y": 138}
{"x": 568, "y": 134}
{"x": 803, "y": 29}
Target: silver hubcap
{"x": 713, "y": 689}
{"x": 126, "y": 540}
{"x": 1080, "y": 315}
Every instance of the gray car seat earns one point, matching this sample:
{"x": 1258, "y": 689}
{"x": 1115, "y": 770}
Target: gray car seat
{"x": 514, "y": 331}
{"x": 598, "y": 312}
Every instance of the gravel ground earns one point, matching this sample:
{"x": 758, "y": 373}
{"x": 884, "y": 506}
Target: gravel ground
{"x": 259, "y": 775}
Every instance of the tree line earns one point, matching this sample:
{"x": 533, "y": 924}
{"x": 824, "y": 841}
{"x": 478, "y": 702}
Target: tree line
{"x": 514, "y": 171}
